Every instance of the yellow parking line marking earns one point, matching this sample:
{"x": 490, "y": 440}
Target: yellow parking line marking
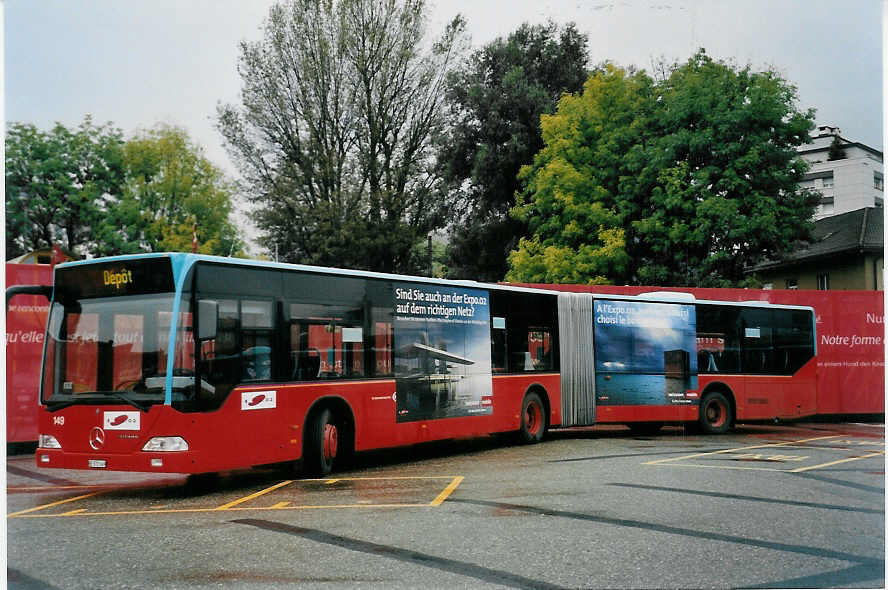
{"x": 454, "y": 482}
{"x": 44, "y": 506}
{"x": 734, "y": 467}
{"x": 73, "y": 512}
{"x": 197, "y": 510}
{"x": 252, "y": 496}
{"x": 330, "y": 482}
{"x": 809, "y": 468}
{"x": 383, "y": 478}
{"x": 447, "y": 491}
{"x": 724, "y": 451}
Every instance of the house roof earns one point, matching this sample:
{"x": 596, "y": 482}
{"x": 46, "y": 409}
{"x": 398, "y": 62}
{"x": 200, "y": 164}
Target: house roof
{"x": 860, "y": 231}
{"x": 822, "y": 143}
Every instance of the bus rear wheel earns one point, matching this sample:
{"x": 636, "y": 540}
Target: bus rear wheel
{"x": 321, "y": 444}
{"x": 715, "y": 413}
{"x": 533, "y": 419}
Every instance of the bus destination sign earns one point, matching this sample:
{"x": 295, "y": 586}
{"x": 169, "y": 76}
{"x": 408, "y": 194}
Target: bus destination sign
{"x": 110, "y": 279}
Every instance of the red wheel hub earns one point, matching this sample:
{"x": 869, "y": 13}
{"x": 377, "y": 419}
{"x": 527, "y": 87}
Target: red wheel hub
{"x": 533, "y": 419}
{"x": 716, "y": 413}
{"x": 331, "y": 441}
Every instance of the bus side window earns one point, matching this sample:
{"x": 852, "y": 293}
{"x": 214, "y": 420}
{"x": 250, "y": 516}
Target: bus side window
{"x": 523, "y": 333}
{"x": 718, "y": 339}
{"x": 758, "y": 352}
{"x": 219, "y": 358}
{"x": 326, "y": 342}
{"x": 498, "y": 348}
{"x": 539, "y": 348}
{"x": 382, "y": 349}
{"x": 257, "y": 323}
{"x": 792, "y": 340}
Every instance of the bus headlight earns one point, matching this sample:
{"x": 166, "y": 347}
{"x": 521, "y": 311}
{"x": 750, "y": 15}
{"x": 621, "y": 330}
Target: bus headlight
{"x": 47, "y": 441}
{"x": 166, "y": 443}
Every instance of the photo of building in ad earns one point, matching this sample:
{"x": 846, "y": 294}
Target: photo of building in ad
{"x": 442, "y": 352}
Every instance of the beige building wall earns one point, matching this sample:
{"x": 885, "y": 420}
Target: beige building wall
{"x": 855, "y": 272}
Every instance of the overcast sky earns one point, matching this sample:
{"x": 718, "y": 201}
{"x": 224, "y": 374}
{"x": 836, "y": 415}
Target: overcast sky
{"x": 139, "y": 62}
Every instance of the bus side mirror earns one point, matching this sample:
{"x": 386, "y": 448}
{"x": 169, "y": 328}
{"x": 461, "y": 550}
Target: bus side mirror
{"x": 44, "y": 290}
{"x": 207, "y": 319}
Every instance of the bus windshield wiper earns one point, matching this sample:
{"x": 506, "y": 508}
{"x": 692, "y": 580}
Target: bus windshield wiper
{"x": 55, "y": 406}
{"x": 130, "y": 401}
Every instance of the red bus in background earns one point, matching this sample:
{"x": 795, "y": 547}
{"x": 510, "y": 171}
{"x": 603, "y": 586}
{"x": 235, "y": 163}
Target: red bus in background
{"x": 25, "y": 328}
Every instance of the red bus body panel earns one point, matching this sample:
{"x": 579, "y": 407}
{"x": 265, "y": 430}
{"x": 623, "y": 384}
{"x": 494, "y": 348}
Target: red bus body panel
{"x": 624, "y": 414}
{"x": 232, "y": 437}
{"x": 765, "y": 397}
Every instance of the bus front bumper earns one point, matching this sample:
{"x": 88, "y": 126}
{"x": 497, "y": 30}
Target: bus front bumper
{"x": 149, "y": 462}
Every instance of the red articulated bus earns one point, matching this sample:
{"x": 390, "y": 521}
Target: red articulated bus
{"x": 194, "y": 364}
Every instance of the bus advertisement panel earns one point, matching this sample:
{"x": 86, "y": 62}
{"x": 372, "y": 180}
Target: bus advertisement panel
{"x": 645, "y": 353}
{"x": 25, "y": 325}
{"x": 442, "y": 352}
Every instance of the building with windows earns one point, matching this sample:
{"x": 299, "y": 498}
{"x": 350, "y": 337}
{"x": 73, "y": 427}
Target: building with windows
{"x": 846, "y": 252}
{"x": 847, "y": 247}
{"x": 848, "y": 174}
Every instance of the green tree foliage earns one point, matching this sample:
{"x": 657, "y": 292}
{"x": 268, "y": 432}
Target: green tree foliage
{"x": 338, "y": 105}
{"x": 836, "y": 151}
{"x": 60, "y": 184}
{"x": 170, "y": 186}
{"x": 495, "y": 100}
{"x": 687, "y": 181}
{"x": 90, "y": 192}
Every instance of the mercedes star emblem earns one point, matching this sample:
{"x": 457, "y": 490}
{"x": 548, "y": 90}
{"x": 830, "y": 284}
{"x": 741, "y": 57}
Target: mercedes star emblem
{"x": 97, "y": 438}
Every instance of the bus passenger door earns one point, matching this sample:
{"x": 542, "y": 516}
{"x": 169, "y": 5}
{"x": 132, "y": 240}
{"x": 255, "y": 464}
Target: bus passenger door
{"x": 763, "y": 397}
{"x": 793, "y": 354}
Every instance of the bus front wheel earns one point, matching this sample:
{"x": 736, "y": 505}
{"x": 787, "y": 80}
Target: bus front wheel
{"x": 321, "y": 444}
{"x": 715, "y": 413}
{"x": 533, "y": 418}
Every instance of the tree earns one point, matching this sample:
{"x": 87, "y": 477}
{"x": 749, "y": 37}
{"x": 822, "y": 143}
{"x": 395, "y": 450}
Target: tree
{"x": 571, "y": 197}
{"x": 836, "y": 151}
{"x": 495, "y": 100}
{"x": 60, "y": 184}
{"x": 699, "y": 171}
{"x": 170, "y": 186}
{"x": 726, "y": 194}
{"x": 338, "y": 106}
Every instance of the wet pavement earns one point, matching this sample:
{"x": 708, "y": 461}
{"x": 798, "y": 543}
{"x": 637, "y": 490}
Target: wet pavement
{"x": 797, "y": 505}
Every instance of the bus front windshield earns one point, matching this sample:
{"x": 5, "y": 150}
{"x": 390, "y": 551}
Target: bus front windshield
{"x": 114, "y": 350}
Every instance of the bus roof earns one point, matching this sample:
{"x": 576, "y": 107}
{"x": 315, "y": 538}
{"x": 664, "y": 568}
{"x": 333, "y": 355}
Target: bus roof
{"x": 182, "y": 262}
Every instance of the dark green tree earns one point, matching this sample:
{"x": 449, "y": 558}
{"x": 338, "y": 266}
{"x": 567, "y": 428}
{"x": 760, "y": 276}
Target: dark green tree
{"x": 836, "y": 151}
{"x": 333, "y": 134}
{"x": 60, "y": 185}
{"x": 699, "y": 171}
{"x": 726, "y": 193}
{"x": 495, "y": 99}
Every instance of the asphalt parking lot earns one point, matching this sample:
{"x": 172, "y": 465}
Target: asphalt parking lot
{"x": 765, "y": 506}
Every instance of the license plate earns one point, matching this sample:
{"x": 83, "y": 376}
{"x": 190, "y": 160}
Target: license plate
{"x": 98, "y": 463}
